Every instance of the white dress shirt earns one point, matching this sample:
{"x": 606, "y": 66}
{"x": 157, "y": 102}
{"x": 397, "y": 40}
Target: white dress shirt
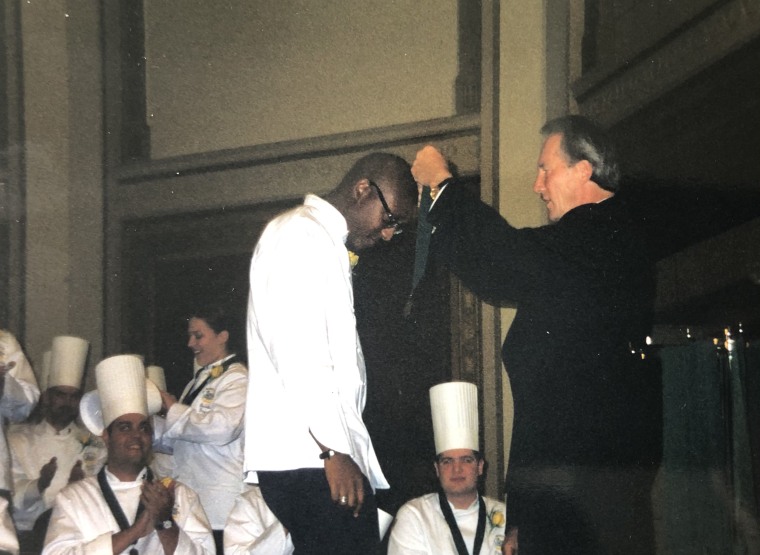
{"x": 82, "y": 522}
{"x": 307, "y": 367}
{"x": 421, "y": 529}
{"x": 206, "y": 438}
{"x": 20, "y": 395}
{"x": 253, "y": 529}
{"x": 32, "y": 446}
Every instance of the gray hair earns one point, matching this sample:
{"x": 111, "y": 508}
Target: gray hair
{"x": 584, "y": 140}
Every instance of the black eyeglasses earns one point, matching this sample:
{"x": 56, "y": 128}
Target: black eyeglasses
{"x": 392, "y": 220}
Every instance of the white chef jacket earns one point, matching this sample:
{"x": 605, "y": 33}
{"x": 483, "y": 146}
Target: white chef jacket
{"x": 8, "y": 539}
{"x": 307, "y": 367}
{"x": 253, "y": 529}
{"x": 421, "y": 529}
{"x": 32, "y": 446}
{"x": 82, "y": 522}
{"x": 19, "y": 397}
{"x": 207, "y": 440}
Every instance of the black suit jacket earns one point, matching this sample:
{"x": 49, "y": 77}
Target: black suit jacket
{"x": 583, "y": 288}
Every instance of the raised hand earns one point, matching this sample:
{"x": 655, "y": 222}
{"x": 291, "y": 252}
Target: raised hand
{"x": 430, "y": 168}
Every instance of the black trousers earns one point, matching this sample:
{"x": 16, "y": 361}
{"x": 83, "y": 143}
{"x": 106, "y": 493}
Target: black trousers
{"x": 301, "y": 501}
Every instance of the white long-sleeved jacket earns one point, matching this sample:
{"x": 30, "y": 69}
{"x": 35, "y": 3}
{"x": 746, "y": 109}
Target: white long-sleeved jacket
{"x": 206, "y": 438}
{"x": 32, "y": 446}
{"x": 82, "y": 523}
{"x": 20, "y": 395}
{"x": 421, "y": 529}
{"x": 252, "y": 528}
{"x": 307, "y": 377}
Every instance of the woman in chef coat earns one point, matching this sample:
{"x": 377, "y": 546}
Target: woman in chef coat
{"x": 204, "y": 427}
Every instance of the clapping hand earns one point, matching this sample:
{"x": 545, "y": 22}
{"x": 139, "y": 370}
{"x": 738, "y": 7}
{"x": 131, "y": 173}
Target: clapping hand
{"x": 158, "y": 502}
{"x": 47, "y": 472}
{"x": 77, "y": 472}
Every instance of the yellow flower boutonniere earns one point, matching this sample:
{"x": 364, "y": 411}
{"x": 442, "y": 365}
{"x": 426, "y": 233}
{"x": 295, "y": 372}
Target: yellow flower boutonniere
{"x": 496, "y": 518}
{"x": 86, "y": 440}
{"x": 353, "y": 259}
{"x": 216, "y": 371}
{"x": 167, "y": 482}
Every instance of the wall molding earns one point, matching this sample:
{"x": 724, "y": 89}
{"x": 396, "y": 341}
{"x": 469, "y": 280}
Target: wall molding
{"x": 210, "y": 162}
{"x": 609, "y": 94}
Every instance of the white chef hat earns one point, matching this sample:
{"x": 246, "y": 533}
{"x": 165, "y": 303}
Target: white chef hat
{"x": 122, "y": 389}
{"x": 454, "y": 408}
{"x": 44, "y": 371}
{"x": 157, "y": 376}
{"x": 67, "y": 358}
{"x": 138, "y": 355}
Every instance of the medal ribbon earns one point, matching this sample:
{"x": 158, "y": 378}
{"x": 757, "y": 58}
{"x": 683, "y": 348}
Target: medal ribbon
{"x": 422, "y": 245}
{"x": 188, "y": 400}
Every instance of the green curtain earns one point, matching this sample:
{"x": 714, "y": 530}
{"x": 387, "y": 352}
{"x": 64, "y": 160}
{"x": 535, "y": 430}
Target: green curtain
{"x": 708, "y": 483}
{"x": 745, "y": 515}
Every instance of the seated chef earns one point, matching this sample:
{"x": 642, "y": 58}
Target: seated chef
{"x": 456, "y": 520}
{"x": 51, "y": 453}
{"x": 125, "y": 509}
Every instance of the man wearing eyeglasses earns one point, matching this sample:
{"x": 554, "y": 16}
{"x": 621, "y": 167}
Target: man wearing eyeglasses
{"x": 456, "y": 520}
{"x": 306, "y": 444}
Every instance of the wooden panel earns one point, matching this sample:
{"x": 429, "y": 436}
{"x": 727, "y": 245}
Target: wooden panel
{"x": 171, "y": 265}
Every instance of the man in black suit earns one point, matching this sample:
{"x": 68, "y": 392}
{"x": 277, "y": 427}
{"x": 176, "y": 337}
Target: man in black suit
{"x": 587, "y": 426}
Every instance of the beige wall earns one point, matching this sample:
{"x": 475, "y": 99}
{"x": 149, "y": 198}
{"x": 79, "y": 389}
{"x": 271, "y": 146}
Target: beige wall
{"x": 239, "y": 73}
{"x": 522, "y": 111}
{"x": 47, "y": 194}
{"x": 64, "y": 202}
